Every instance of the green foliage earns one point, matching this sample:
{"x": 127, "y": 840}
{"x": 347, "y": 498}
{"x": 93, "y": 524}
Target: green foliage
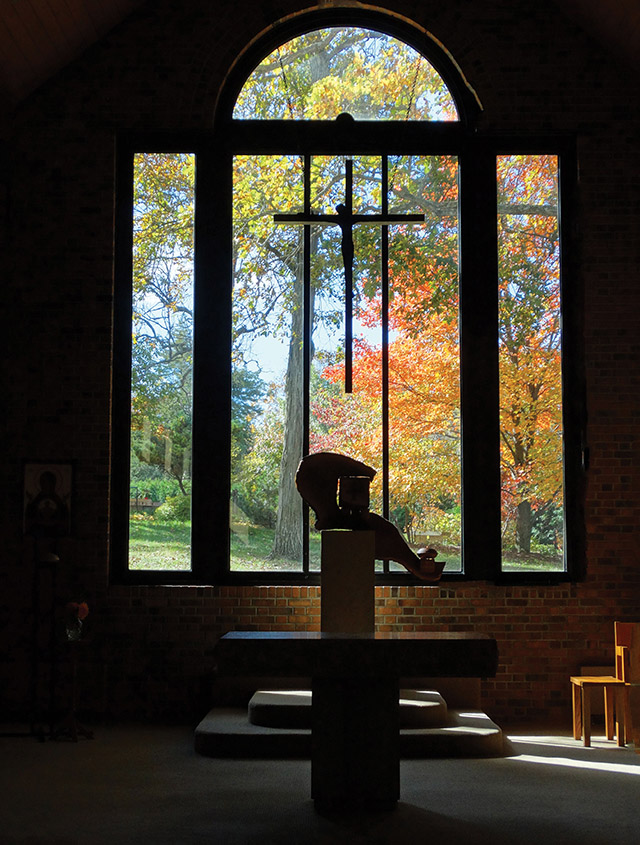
{"x": 175, "y": 508}
{"x": 548, "y": 526}
{"x": 247, "y": 391}
{"x": 162, "y": 327}
{"x": 254, "y": 483}
{"x": 318, "y": 76}
{"x": 156, "y": 489}
{"x": 165, "y": 447}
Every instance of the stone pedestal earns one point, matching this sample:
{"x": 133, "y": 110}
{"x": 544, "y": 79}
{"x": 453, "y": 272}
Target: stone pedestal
{"x": 355, "y": 742}
{"x": 347, "y": 599}
{"x": 351, "y": 704}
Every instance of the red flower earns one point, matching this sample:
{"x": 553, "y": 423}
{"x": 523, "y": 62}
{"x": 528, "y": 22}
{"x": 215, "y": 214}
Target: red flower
{"x": 80, "y": 610}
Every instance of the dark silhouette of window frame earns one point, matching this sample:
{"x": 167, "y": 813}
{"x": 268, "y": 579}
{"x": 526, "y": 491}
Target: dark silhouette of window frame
{"x": 476, "y": 153}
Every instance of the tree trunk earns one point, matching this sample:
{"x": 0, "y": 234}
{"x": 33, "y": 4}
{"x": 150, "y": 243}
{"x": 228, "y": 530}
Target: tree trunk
{"x": 524, "y": 523}
{"x": 287, "y": 542}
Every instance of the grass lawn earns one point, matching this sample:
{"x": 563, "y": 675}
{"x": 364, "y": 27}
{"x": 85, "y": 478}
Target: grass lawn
{"x": 252, "y": 551}
{"x": 159, "y": 545}
{"x": 534, "y": 562}
{"x": 166, "y": 546}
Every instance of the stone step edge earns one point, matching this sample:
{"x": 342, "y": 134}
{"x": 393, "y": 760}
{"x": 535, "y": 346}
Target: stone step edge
{"x": 292, "y": 709}
{"x": 226, "y": 732}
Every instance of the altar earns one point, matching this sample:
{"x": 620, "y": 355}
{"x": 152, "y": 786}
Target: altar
{"x": 355, "y": 684}
{"x": 355, "y": 672}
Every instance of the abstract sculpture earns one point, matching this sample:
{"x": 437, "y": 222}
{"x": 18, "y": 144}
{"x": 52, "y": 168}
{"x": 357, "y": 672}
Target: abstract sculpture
{"x": 318, "y": 478}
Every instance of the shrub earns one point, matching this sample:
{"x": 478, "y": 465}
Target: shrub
{"x": 174, "y": 508}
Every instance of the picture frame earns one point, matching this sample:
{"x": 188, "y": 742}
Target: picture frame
{"x": 47, "y": 498}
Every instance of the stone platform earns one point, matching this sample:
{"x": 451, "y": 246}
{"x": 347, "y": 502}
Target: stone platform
{"x": 277, "y": 724}
{"x": 355, "y": 740}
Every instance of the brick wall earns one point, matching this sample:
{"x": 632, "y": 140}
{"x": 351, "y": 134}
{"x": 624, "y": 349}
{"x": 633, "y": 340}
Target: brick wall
{"x": 151, "y": 651}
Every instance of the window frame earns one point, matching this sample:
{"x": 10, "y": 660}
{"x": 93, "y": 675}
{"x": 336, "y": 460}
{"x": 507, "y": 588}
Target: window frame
{"x": 478, "y": 275}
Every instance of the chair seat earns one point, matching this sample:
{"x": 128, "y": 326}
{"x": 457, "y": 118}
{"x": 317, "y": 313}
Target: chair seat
{"x": 596, "y": 680}
{"x": 614, "y": 700}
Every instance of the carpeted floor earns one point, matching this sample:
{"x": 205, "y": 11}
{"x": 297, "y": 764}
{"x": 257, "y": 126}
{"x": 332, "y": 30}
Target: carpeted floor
{"x": 147, "y": 785}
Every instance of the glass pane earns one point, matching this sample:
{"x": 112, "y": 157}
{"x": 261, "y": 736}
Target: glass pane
{"x": 424, "y": 357}
{"x": 530, "y": 364}
{"x": 349, "y": 423}
{"x": 324, "y": 73}
{"x": 267, "y": 368}
{"x": 268, "y": 353}
{"x": 162, "y": 361}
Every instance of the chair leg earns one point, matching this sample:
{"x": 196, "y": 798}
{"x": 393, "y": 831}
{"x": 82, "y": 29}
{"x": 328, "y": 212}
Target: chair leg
{"x": 576, "y": 699}
{"x": 632, "y": 694}
{"x": 586, "y": 716}
{"x": 609, "y": 693}
{"x": 621, "y": 716}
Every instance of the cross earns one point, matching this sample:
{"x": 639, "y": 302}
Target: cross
{"x": 346, "y": 220}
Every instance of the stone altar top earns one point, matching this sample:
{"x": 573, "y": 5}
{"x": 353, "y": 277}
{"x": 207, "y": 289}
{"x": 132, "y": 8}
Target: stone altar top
{"x": 295, "y": 653}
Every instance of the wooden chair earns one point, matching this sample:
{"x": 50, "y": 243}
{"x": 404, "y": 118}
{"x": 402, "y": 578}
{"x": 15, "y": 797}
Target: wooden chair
{"x": 632, "y": 678}
{"x": 621, "y": 692}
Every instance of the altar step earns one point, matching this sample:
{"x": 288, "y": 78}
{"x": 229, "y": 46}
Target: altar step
{"x": 277, "y": 724}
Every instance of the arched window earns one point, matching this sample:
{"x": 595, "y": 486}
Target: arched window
{"x": 345, "y": 265}
{"x": 324, "y": 73}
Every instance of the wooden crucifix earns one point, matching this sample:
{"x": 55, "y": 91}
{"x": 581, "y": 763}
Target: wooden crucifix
{"x": 346, "y": 220}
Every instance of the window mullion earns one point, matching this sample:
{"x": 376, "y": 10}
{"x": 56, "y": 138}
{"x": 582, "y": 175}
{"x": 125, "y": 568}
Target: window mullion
{"x": 121, "y": 399}
{"x": 576, "y": 453}
{"x": 384, "y": 282}
{"x": 213, "y": 274}
{"x": 307, "y": 345}
{"x": 479, "y": 364}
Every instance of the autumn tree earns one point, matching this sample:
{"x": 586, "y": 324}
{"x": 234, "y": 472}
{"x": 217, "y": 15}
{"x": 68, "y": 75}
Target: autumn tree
{"x": 318, "y": 76}
{"x": 530, "y": 342}
{"x": 370, "y": 76}
{"x": 424, "y": 354}
{"x": 162, "y": 319}
{"x": 162, "y": 326}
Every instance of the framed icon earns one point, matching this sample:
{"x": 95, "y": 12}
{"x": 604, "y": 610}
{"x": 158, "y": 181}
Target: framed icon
{"x": 47, "y": 499}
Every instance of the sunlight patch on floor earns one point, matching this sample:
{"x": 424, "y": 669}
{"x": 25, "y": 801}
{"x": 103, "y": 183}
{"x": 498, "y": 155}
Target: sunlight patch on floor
{"x": 619, "y": 768}
{"x": 597, "y": 743}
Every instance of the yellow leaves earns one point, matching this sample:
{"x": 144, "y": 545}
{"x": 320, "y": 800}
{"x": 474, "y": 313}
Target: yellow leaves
{"x": 368, "y": 74}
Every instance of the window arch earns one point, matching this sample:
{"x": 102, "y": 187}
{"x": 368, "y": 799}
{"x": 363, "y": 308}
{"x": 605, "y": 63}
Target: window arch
{"x": 309, "y": 121}
{"x": 436, "y": 61}
{"x": 327, "y": 72}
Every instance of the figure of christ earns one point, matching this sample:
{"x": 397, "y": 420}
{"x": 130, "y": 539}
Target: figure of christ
{"x": 317, "y": 482}
{"x": 346, "y": 220}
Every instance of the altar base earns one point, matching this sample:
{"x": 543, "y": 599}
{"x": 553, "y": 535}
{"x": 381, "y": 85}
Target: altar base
{"x": 355, "y": 742}
{"x": 350, "y": 706}
{"x": 355, "y": 676}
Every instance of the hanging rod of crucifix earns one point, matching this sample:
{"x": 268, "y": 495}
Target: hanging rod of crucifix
{"x": 346, "y": 220}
